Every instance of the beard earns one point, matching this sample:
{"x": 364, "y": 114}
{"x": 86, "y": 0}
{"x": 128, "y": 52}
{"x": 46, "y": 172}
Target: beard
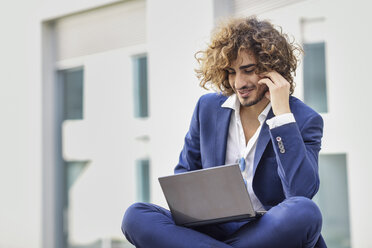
{"x": 262, "y": 89}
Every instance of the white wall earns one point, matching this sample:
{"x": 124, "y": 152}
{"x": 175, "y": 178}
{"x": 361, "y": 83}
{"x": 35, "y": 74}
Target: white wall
{"x": 20, "y": 118}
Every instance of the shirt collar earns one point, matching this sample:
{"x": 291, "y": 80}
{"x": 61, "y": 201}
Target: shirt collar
{"x": 233, "y": 103}
{"x": 262, "y": 117}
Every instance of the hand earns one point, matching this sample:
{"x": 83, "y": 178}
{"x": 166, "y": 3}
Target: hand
{"x": 278, "y": 92}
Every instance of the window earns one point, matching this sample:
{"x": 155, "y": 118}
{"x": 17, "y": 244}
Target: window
{"x": 140, "y": 86}
{"x": 333, "y": 200}
{"x": 72, "y": 80}
{"x": 315, "y": 90}
{"x": 143, "y": 180}
{"x": 70, "y": 107}
{"x": 313, "y": 34}
{"x": 73, "y": 170}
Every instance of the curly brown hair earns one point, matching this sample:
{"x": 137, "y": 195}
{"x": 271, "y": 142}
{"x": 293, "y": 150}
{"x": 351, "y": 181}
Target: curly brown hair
{"x": 272, "y": 49}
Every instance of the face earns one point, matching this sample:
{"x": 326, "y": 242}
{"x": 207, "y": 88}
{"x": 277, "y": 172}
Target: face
{"x": 244, "y": 80}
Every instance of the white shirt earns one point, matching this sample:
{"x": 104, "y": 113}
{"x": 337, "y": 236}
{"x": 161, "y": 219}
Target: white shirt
{"x": 237, "y": 146}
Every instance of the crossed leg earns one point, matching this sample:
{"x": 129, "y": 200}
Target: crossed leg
{"x": 147, "y": 225}
{"x": 296, "y": 222}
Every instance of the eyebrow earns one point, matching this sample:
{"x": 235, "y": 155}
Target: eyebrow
{"x": 246, "y": 66}
{"x": 242, "y": 67}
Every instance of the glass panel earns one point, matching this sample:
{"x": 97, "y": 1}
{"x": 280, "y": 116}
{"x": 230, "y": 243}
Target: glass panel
{"x": 333, "y": 200}
{"x": 143, "y": 180}
{"x": 73, "y": 170}
{"x": 315, "y": 92}
{"x": 73, "y": 94}
{"x": 140, "y": 86}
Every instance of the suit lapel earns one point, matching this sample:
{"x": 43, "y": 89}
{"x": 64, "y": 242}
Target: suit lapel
{"x": 221, "y": 133}
{"x": 262, "y": 141}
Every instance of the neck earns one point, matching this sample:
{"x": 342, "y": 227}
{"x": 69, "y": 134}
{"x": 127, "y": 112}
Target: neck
{"x": 255, "y": 110}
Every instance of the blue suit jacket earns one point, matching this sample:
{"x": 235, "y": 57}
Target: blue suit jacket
{"x": 276, "y": 175}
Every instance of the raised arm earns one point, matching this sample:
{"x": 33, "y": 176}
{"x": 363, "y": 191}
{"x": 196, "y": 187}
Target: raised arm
{"x": 297, "y": 156}
{"x": 296, "y": 149}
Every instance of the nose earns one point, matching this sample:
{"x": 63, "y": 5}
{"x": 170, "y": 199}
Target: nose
{"x": 240, "y": 80}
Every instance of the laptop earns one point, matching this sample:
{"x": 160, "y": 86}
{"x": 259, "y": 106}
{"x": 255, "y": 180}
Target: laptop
{"x": 208, "y": 196}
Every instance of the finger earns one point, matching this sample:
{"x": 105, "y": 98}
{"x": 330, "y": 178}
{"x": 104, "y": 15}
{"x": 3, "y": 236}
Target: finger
{"x": 273, "y": 75}
{"x": 276, "y": 77}
{"x": 268, "y": 83}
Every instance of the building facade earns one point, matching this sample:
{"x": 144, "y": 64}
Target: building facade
{"x": 96, "y": 97}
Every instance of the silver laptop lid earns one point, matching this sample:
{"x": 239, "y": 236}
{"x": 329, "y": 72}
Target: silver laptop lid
{"x": 207, "y": 196}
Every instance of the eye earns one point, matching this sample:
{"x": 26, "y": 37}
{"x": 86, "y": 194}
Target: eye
{"x": 230, "y": 72}
{"x": 248, "y": 71}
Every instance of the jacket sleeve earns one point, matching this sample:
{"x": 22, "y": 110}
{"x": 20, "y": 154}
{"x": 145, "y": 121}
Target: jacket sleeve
{"x": 297, "y": 156}
{"x": 190, "y": 157}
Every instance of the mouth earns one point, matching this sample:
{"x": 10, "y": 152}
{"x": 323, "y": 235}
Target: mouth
{"x": 245, "y": 92}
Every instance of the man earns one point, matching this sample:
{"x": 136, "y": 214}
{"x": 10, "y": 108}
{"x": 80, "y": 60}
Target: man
{"x": 275, "y": 137}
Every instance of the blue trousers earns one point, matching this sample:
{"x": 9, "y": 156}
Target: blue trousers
{"x": 296, "y": 222}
